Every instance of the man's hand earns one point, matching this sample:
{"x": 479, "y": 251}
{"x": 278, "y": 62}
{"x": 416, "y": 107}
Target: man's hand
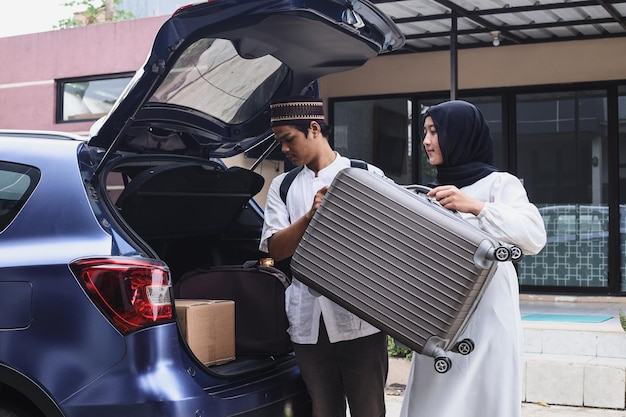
{"x": 319, "y": 196}
{"x": 283, "y": 243}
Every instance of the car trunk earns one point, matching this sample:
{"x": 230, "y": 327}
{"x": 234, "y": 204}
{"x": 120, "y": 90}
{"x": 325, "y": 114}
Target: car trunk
{"x": 199, "y": 217}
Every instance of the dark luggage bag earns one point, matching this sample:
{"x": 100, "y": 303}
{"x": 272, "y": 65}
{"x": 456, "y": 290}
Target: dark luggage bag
{"x": 399, "y": 261}
{"x": 259, "y": 296}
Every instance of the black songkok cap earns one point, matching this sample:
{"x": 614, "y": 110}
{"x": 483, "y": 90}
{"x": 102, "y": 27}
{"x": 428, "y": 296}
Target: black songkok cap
{"x": 296, "y": 110}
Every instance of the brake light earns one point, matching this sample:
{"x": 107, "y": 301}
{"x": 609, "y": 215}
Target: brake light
{"x": 132, "y": 293}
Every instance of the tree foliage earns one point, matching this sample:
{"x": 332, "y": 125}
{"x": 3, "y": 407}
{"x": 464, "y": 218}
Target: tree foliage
{"x": 397, "y": 350}
{"x": 96, "y": 11}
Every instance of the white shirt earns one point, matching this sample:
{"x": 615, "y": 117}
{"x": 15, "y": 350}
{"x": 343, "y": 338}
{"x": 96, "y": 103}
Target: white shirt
{"x": 303, "y": 307}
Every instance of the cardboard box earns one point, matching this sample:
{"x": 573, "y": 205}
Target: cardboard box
{"x": 209, "y": 328}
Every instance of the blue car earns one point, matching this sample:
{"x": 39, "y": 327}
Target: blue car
{"x": 97, "y": 232}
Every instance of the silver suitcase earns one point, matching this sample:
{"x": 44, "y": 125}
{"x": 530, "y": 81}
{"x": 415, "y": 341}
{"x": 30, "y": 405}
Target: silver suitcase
{"x": 400, "y": 261}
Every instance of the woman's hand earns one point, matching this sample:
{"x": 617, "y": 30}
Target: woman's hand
{"x": 452, "y": 198}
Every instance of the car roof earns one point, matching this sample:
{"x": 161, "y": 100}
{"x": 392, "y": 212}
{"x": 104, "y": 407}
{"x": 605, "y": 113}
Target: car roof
{"x": 40, "y": 134}
{"x": 214, "y": 68}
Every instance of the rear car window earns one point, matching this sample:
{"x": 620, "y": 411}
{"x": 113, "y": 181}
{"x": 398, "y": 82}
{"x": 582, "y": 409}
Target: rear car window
{"x": 208, "y": 78}
{"x": 17, "y": 183}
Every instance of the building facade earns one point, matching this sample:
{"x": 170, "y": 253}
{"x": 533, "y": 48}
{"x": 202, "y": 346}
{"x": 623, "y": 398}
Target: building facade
{"x": 46, "y": 77}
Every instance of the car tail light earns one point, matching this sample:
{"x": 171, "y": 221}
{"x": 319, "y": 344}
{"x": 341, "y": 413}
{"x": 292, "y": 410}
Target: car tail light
{"x": 132, "y": 293}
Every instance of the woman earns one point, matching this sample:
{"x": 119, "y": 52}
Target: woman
{"x": 488, "y": 381}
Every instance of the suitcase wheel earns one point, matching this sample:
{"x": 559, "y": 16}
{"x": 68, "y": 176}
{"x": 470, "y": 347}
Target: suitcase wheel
{"x": 502, "y": 253}
{"x": 442, "y": 364}
{"x": 464, "y": 347}
{"x": 516, "y": 254}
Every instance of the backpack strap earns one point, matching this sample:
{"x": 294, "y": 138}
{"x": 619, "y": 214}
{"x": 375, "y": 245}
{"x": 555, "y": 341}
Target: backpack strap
{"x": 291, "y": 175}
{"x": 284, "y": 186}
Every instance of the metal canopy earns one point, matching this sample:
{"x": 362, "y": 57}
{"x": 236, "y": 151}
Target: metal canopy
{"x": 427, "y": 24}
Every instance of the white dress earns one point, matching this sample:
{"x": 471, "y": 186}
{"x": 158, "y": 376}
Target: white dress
{"x": 488, "y": 381}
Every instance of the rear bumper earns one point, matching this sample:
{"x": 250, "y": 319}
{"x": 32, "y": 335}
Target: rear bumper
{"x": 153, "y": 380}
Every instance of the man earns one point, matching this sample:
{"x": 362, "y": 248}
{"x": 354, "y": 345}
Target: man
{"x": 340, "y": 356}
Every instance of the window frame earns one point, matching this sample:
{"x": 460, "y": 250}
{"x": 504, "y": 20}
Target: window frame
{"x": 7, "y": 217}
{"x": 84, "y": 117}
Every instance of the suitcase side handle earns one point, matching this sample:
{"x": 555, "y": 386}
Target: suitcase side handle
{"x": 418, "y": 188}
{"x": 423, "y": 189}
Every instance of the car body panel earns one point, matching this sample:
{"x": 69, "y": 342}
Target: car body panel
{"x": 36, "y": 240}
{"x": 32, "y": 248}
{"x": 42, "y": 134}
{"x": 162, "y": 385}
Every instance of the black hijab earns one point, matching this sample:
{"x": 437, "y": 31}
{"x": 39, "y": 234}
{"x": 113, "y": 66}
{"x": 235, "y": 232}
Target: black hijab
{"x": 465, "y": 142}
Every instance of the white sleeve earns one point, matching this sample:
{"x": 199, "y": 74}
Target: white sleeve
{"x": 511, "y": 218}
{"x": 275, "y": 213}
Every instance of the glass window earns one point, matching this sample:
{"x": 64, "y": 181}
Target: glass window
{"x": 88, "y": 98}
{"x": 621, "y": 108}
{"x": 562, "y": 159}
{"x": 216, "y": 65}
{"x": 561, "y": 155}
{"x": 17, "y": 182}
{"x": 376, "y": 131}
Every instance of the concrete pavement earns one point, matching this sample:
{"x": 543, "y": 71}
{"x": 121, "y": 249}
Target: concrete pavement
{"x": 535, "y": 410}
{"x": 397, "y": 378}
{"x": 394, "y": 403}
